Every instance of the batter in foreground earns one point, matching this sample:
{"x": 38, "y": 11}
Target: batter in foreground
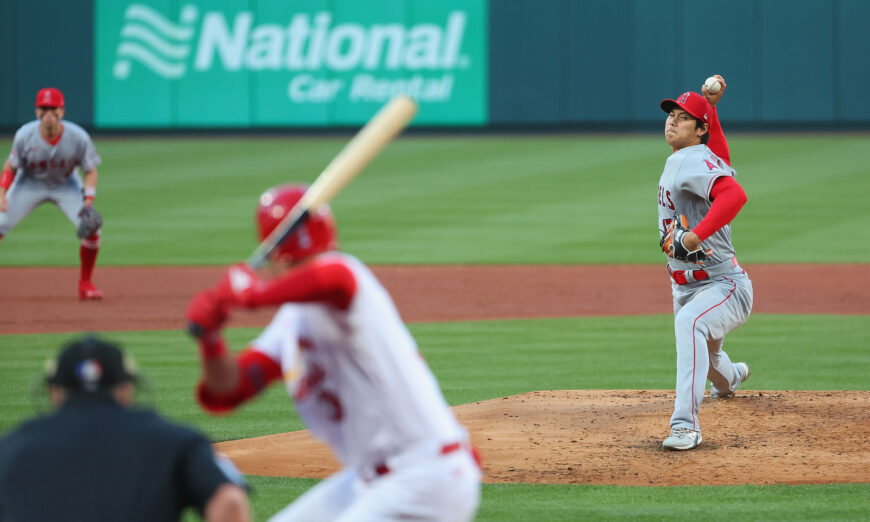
{"x": 712, "y": 294}
{"x": 338, "y": 345}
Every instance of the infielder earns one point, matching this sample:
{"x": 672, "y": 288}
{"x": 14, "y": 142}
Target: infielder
{"x": 41, "y": 168}
{"x": 712, "y": 294}
{"x": 354, "y": 371}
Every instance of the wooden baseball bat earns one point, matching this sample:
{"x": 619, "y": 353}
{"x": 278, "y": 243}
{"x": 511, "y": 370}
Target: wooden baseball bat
{"x": 350, "y": 161}
{"x": 353, "y": 158}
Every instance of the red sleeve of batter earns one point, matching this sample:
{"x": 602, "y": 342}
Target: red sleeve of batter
{"x": 728, "y": 198}
{"x": 328, "y": 281}
{"x": 256, "y": 371}
{"x": 717, "y": 143}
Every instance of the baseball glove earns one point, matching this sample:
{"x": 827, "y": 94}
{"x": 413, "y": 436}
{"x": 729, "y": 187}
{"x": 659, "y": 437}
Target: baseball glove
{"x": 90, "y": 221}
{"x": 672, "y": 242}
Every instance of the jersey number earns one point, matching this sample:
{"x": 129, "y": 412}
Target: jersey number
{"x": 332, "y": 401}
{"x": 312, "y": 380}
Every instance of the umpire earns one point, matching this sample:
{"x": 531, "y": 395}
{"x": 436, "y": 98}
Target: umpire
{"x": 95, "y": 459}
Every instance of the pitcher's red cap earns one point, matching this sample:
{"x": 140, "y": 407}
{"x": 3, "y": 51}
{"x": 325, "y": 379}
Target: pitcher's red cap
{"x": 49, "y": 97}
{"x": 691, "y": 102}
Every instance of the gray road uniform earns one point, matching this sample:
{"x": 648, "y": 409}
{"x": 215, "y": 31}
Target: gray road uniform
{"x": 710, "y": 300}
{"x": 46, "y": 172}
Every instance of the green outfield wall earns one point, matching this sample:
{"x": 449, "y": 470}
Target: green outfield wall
{"x": 176, "y": 64}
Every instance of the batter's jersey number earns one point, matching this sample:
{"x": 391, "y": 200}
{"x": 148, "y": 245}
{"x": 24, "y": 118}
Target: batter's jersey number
{"x": 311, "y": 383}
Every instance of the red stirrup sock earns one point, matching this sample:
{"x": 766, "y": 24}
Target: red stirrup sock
{"x": 88, "y": 254}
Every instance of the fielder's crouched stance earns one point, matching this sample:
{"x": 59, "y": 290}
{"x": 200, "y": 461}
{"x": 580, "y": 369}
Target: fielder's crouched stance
{"x": 712, "y": 294}
{"x": 354, "y": 371}
{"x": 41, "y": 168}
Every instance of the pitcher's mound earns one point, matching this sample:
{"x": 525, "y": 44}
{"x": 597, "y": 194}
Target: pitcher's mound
{"x": 615, "y": 436}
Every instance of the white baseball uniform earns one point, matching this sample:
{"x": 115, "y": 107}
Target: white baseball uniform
{"x": 45, "y": 172}
{"x": 705, "y": 310}
{"x": 360, "y": 383}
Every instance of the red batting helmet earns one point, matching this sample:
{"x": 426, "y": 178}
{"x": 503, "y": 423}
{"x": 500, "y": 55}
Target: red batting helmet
{"x": 49, "y": 97}
{"x": 317, "y": 234}
{"x": 691, "y": 102}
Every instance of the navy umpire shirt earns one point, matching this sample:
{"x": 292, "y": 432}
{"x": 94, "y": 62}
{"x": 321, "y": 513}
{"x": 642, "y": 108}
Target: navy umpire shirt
{"x": 94, "y": 460}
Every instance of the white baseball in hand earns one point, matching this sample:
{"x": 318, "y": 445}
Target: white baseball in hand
{"x": 712, "y": 84}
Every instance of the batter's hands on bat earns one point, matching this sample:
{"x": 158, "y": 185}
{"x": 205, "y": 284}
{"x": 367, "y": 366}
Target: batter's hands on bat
{"x": 680, "y": 243}
{"x": 206, "y": 313}
{"x": 713, "y": 99}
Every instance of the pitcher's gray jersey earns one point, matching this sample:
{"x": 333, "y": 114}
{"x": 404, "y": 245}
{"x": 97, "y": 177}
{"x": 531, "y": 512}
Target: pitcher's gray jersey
{"x": 684, "y": 188}
{"x": 39, "y": 160}
{"x": 706, "y": 310}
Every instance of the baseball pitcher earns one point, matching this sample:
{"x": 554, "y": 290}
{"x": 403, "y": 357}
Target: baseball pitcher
{"x": 354, "y": 371}
{"x": 712, "y": 293}
{"x": 41, "y": 168}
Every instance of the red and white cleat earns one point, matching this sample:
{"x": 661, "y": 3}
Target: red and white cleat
{"x": 89, "y": 292}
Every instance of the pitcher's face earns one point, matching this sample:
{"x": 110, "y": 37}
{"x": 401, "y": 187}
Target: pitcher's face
{"x": 681, "y": 131}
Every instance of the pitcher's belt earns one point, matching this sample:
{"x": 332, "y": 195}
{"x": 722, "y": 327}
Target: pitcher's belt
{"x": 682, "y": 277}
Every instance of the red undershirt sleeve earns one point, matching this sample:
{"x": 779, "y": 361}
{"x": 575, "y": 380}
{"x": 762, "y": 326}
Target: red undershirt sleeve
{"x": 326, "y": 281}
{"x": 717, "y": 143}
{"x": 6, "y": 178}
{"x": 256, "y": 371}
{"x": 728, "y": 198}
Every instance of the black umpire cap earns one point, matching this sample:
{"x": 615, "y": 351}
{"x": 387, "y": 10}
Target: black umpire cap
{"x": 90, "y": 364}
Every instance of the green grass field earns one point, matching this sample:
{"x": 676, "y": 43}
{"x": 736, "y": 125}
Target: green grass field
{"x": 515, "y": 200}
{"x": 487, "y": 200}
{"x": 481, "y": 360}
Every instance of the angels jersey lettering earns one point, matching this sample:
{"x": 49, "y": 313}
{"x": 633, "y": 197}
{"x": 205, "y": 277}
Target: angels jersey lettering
{"x": 51, "y": 164}
{"x": 684, "y": 188}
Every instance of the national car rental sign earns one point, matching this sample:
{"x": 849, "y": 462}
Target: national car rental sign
{"x": 273, "y": 63}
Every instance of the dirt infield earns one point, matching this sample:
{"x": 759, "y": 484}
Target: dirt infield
{"x": 615, "y": 437}
{"x": 601, "y": 437}
{"x": 46, "y": 299}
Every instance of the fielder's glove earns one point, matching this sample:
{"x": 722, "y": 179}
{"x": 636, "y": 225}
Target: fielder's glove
{"x": 672, "y": 242}
{"x": 90, "y": 221}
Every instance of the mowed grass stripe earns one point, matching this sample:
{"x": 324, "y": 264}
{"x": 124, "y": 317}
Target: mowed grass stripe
{"x": 565, "y": 199}
{"x": 479, "y": 360}
{"x": 569, "y": 503}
